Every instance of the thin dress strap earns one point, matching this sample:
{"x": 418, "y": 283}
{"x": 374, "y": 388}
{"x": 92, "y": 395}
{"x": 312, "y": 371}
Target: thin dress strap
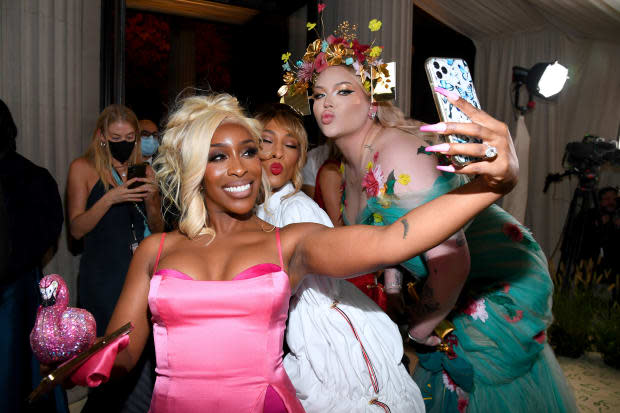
{"x": 161, "y": 246}
{"x": 279, "y": 248}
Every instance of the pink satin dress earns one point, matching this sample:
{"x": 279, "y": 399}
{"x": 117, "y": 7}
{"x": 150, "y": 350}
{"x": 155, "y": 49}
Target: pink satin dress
{"x": 219, "y": 343}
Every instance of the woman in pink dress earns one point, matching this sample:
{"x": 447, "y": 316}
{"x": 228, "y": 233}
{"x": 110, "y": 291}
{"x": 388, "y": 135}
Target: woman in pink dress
{"x": 215, "y": 291}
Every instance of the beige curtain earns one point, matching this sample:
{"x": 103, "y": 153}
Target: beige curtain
{"x": 585, "y": 37}
{"x": 395, "y": 34}
{"x": 49, "y": 78}
{"x": 516, "y": 201}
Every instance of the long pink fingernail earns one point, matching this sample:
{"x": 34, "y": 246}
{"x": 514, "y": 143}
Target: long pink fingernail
{"x": 450, "y": 94}
{"x": 448, "y": 168}
{"x": 437, "y": 127}
{"x": 444, "y": 147}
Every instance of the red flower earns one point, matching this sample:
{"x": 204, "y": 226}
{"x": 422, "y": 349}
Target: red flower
{"x": 370, "y": 184}
{"x": 320, "y": 63}
{"x": 540, "y": 337}
{"x": 321, "y": 7}
{"x": 359, "y": 50}
{"x": 331, "y": 39}
{"x": 513, "y": 232}
{"x": 517, "y": 317}
{"x": 462, "y": 405}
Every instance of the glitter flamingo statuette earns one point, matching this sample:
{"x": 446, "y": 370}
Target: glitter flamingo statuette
{"x": 60, "y": 332}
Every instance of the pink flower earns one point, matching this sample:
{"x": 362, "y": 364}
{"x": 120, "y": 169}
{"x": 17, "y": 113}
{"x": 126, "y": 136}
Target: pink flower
{"x": 321, "y": 7}
{"x": 370, "y": 184}
{"x": 447, "y": 381}
{"x": 320, "y": 63}
{"x": 540, "y": 337}
{"x": 512, "y": 231}
{"x": 517, "y": 317}
{"x": 477, "y": 310}
{"x": 304, "y": 73}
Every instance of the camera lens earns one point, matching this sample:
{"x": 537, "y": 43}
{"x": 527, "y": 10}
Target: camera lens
{"x": 444, "y": 70}
{"x": 436, "y": 65}
{"x": 439, "y": 75}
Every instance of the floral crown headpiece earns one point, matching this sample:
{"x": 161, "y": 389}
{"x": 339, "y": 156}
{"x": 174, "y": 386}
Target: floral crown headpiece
{"x": 377, "y": 77}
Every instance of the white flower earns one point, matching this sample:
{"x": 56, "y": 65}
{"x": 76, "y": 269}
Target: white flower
{"x": 447, "y": 381}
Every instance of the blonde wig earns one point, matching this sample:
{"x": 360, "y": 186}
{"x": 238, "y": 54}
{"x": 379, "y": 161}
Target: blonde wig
{"x": 288, "y": 119}
{"x": 184, "y": 153}
{"x": 98, "y": 152}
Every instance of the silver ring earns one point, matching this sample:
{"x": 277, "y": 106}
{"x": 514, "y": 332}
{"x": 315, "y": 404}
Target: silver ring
{"x": 490, "y": 152}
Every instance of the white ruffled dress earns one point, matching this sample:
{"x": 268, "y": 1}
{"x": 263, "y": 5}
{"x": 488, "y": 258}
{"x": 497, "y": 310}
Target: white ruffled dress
{"x": 345, "y": 351}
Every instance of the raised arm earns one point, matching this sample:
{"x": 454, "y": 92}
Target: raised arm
{"x": 361, "y": 248}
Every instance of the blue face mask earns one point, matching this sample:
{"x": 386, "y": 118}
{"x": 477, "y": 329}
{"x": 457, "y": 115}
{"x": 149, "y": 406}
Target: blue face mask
{"x": 149, "y": 145}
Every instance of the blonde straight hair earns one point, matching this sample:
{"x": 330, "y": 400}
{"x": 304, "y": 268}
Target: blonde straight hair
{"x": 288, "y": 119}
{"x": 184, "y": 153}
{"x": 98, "y": 154}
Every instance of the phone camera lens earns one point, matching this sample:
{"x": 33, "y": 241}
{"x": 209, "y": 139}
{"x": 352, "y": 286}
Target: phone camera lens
{"x": 439, "y": 75}
{"x": 444, "y": 70}
{"x": 436, "y": 65}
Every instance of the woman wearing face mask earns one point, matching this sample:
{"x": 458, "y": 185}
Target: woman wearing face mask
{"x": 149, "y": 140}
{"x": 344, "y": 349}
{"x": 112, "y": 218}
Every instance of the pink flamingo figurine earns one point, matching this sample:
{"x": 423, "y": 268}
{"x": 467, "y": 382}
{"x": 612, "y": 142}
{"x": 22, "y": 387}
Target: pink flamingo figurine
{"x": 60, "y": 332}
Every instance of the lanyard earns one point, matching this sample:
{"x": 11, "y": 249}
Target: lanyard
{"x": 147, "y": 231}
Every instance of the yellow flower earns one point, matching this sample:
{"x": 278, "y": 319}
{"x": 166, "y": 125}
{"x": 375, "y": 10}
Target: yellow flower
{"x": 367, "y": 85}
{"x": 285, "y": 56}
{"x": 310, "y": 26}
{"x": 378, "y": 218}
{"x": 374, "y": 25}
{"x": 375, "y": 51}
{"x": 404, "y": 179}
{"x": 369, "y": 166}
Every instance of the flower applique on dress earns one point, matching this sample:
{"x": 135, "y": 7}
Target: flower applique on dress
{"x": 376, "y": 186}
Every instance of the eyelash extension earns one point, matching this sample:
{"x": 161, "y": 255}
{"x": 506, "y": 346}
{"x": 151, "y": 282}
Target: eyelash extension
{"x": 215, "y": 156}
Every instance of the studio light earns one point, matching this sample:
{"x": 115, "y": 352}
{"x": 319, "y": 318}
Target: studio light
{"x": 543, "y": 80}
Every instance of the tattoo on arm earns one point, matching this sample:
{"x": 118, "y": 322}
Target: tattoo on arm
{"x": 405, "y": 228}
{"x": 427, "y": 303}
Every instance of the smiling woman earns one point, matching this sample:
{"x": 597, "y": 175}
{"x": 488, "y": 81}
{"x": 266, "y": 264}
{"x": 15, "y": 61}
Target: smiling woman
{"x": 217, "y": 289}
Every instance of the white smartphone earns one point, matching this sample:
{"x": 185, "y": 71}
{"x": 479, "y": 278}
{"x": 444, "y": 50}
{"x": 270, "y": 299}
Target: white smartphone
{"x": 453, "y": 75}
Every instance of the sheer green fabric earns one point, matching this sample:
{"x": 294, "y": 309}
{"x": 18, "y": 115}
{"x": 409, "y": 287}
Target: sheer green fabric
{"x": 501, "y": 318}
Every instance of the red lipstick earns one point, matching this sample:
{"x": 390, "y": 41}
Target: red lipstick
{"x": 276, "y": 168}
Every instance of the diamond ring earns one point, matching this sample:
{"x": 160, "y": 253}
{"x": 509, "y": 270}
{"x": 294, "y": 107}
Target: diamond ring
{"x": 490, "y": 152}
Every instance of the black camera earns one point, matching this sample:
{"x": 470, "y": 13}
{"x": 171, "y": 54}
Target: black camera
{"x": 590, "y": 152}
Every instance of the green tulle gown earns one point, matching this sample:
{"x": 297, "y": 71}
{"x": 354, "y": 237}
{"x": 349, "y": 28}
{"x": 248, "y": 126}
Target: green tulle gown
{"x": 499, "y": 359}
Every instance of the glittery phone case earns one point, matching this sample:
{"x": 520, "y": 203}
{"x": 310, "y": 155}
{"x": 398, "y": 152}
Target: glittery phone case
{"x": 453, "y": 75}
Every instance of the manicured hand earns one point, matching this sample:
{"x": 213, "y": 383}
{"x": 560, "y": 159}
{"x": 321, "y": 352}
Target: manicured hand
{"x": 500, "y": 172}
